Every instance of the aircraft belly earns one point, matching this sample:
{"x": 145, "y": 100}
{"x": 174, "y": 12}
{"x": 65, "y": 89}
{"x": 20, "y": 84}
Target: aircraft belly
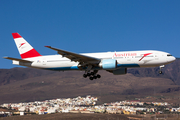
{"x": 153, "y": 63}
{"x": 130, "y": 65}
{"x": 62, "y": 66}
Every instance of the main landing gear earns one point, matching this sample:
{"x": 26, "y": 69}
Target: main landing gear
{"x": 92, "y": 75}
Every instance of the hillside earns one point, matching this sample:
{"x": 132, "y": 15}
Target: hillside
{"x": 27, "y": 84}
{"x": 171, "y": 71}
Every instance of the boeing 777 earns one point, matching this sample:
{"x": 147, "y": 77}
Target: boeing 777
{"x": 113, "y": 62}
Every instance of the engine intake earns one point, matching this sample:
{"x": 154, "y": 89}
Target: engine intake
{"x": 109, "y": 64}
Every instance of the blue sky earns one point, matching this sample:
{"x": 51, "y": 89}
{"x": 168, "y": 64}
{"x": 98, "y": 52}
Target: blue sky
{"x": 90, "y": 26}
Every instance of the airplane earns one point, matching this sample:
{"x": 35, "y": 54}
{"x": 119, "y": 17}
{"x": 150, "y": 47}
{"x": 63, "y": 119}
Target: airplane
{"x": 113, "y": 62}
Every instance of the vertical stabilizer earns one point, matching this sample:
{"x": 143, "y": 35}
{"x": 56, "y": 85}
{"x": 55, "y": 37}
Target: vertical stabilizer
{"x": 24, "y": 48}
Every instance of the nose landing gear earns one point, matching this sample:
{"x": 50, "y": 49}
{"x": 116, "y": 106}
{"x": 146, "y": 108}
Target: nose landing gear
{"x": 91, "y": 75}
{"x": 161, "y": 67}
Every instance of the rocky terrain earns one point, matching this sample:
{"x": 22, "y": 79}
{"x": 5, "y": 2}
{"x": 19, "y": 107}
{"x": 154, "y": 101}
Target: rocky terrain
{"x": 28, "y": 84}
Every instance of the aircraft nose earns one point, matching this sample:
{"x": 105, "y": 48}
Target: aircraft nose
{"x": 172, "y": 59}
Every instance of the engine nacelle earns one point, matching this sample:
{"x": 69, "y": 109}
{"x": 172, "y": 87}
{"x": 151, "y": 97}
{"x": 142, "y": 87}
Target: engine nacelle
{"x": 120, "y": 71}
{"x": 108, "y": 64}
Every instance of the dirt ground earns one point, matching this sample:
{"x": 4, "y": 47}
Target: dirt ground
{"x": 71, "y": 116}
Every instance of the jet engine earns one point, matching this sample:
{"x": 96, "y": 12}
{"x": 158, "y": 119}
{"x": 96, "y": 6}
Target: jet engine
{"x": 108, "y": 64}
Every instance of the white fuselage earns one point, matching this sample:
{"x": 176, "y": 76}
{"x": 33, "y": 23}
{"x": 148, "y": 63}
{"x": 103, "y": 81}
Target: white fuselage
{"x": 126, "y": 59}
{"x": 113, "y": 62}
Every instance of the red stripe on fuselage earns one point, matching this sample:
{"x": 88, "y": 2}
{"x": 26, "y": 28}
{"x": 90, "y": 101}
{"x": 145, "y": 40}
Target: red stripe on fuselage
{"x": 16, "y": 35}
{"x": 29, "y": 54}
{"x": 145, "y": 55}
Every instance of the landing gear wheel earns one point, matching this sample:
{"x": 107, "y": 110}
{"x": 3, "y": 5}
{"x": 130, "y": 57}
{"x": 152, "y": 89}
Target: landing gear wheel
{"x": 98, "y": 76}
{"x": 88, "y": 74}
{"x": 91, "y": 78}
{"x": 92, "y": 73}
{"x": 85, "y": 75}
{"x": 95, "y": 77}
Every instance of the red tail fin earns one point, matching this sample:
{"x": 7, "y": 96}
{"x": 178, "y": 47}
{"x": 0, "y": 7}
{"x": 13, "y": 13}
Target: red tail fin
{"x": 24, "y": 48}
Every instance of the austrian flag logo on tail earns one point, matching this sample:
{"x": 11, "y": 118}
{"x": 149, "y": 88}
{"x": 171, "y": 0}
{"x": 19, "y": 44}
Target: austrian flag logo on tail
{"x": 21, "y": 44}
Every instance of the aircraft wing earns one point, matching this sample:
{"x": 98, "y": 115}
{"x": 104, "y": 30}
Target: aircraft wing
{"x": 75, "y": 57}
{"x": 16, "y": 59}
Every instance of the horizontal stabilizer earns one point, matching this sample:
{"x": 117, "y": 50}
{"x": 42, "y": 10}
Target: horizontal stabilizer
{"x": 16, "y": 59}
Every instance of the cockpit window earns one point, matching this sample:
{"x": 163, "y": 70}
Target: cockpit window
{"x": 169, "y": 55}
